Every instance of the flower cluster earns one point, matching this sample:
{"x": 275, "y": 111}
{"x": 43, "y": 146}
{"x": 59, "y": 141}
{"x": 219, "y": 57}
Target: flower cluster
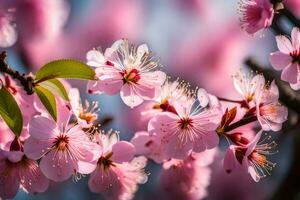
{"x": 184, "y": 127}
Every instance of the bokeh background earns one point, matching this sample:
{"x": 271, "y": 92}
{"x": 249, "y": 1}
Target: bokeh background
{"x": 199, "y": 41}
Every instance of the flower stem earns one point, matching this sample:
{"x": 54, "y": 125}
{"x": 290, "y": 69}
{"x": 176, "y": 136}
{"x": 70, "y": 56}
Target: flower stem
{"x": 240, "y": 123}
{"x": 26, "y": 81}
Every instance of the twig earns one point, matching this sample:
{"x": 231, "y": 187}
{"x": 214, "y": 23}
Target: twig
{"x": 240, "y": 123}
{"x": 26, "y": 81}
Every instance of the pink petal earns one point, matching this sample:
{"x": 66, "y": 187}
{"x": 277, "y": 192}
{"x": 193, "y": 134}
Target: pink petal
{"x": 58, "y": 166}
{"x": 139, "y": 140}
{"x": 141, "y": 50}
{"x": 93, "y": 87}
{"x": 95, "y": 58}
{"x": 211, "y": 139}
{"x": 75, "y": 101}
{"x": 63, "y": 113}
{"x": 203, "y": 97}
{"x": 129, "y": 97}
{"x": 280, "y": 60}
{"x": 296, "y": 38}
{"x": 295, "y": 86}
{"x": 9, "y": 184}
{"x": 35, "y": 148}
{"x": 123, "y": 152}
{"x": 229, "y": 159}
{"x": 158, "y": 125}
{"x": 290, "y": 74}
{"x": 109, "y": 84}
{"x": 42, "y": 128}
{"x": 284, "y": 44}
{"x": 253, "y": 174}
{"x": 174, "y": 149}
{"x": 145, "y": 92}
{"x": 155, "y": 78}
{"x": 86, "y": 167}
{"x": 14, "y": 156}
{"x": 251, "y": 146}
{"x": 105, "y": 182}
{"x": 33, "y": 179}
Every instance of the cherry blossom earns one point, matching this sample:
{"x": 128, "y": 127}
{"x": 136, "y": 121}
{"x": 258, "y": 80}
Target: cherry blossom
{"x": 126, "y": 69}
{"x": 248, "y": 85}
{"x": 64, "y": 149}
{"x": 187, "y": 179}
{"x": 86, "y": 114}
{"x": 118, "y": 172}
{"x": 251, "y": 157}
{"x": 8, "y": 32}
{"x": 148, "y": 146}
{"x": 191, "y": 129}
{"x": 287, "y": 58}
{"x": 256, "y": 15}
{"x": 18, "y": 171}
{"x": 270, "y": 113}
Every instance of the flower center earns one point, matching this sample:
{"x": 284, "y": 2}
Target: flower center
{"x": 105, "y": 161}
{"x": 131, "y": 76}
{"x": 61, "y": 142}
{"x": 258, "y": 158}
{"x": 295, "y": 56}
{"x": 165, "y": 106}
{"x": 185, "y": 123}
{"x": 88, "y": 117}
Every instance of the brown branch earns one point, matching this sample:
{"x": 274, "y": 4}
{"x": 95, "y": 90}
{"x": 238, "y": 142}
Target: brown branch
{"x": 240, "y": 123}
{"x": 26, "y": 81}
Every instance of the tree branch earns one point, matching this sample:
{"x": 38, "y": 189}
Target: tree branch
{"x": 25, "y": 80}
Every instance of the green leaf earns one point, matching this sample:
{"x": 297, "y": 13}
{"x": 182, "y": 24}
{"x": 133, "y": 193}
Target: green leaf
{"x": 47, "y": 99}
{"x": 10, "y": 112}
{"x": 56, "y": 87}
{"x": 65, "y": 69}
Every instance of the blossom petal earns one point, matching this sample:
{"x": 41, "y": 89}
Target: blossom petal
{"x": 284, "y": 44}
{"x": 95, "y": 58}
{"x": 229, "y": 159}
{"x": 290, "y": 74}
{"x": 58, "y": 166}
{"x": 42, "y": 128}
{"x": 123, "y": 152}
{"x": 280, "y": 60}
{"x": 295, "y": 35}
{"x": 9, "y": 184}
{"x": 33, "y": 179}
{"x": 174, "y": 149}
{"x": 36, "y": 148}
{"x": 129, "y": 97}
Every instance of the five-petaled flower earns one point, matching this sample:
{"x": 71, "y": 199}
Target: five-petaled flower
{"x": 193, "y": 128}
{"x": 64, "y": 149}
{"x": 287, "y": 58}
{"x": 126, "y": 69}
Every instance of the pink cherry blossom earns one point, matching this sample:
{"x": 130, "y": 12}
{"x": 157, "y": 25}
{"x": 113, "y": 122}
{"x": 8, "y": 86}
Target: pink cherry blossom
{"x": 118, "y": 172}
{"x": 8, "y": 32}
{"x": 247, "y": 85}
{"x": 148, "y": 146}
{"x": 86, "y": 114}
{"x": 187, "y": 179}
{"x": 191, "y": 129}
{"x": 270, "y": 113}
{"x": 287, "y": 58}
{"x": 251, "y": 157}
{"x": 128, "y": 69}
{"x": 256, "y": 15}
{"x": 64, "y": 149}
{"x": 18, "y": 171}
